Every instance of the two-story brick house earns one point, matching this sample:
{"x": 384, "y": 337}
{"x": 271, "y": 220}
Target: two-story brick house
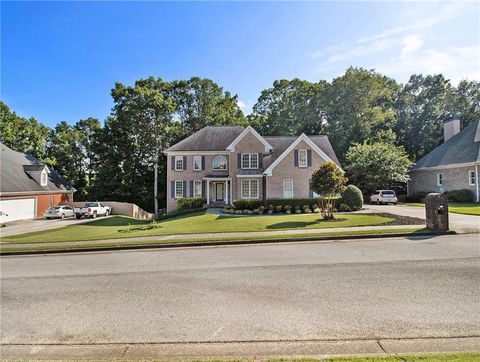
{"x": 226, "y": 163}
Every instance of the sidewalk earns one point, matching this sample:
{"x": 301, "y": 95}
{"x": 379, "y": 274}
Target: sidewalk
{"x": 235, "y": 235}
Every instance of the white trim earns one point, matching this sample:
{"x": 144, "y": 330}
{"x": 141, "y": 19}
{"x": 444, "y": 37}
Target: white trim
{"x": 231, "y": 146}
{"x": 470, "y": 172}
{"x": 178, "y": 158}
{"x": 250, "y": 154}
{"x": 440, "y": 178}
{"x": 220, "y": 169}
{"x": 175, "y": 190}
{"x": 200, "y": 169}
{"x": 302, "y": 137}
{"x": 249, "y": 197}
{"x": 454, "y": 165}
{"x": 283, "y": 188}
{"x": 306, "y": 158}
{"x": 196, "y": 153}
{"x": 247, "y": 176}
{"x": 219, "y": 179}
{"x": 44, "y": 178}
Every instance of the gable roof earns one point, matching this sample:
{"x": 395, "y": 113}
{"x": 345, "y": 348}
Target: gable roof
{"x": 321, "y": 145}
{"x": 14, "y": 175}
{"x": 249, "y": 129}
{"x": 462, "y": 148}
{"x": 210, "y": 138}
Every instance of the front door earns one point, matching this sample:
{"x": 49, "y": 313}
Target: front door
{"x": 219, "y": 187}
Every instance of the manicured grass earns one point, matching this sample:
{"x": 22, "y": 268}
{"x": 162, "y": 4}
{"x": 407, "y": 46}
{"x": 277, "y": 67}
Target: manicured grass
{"x": 126, "y": 242}
{"x": 200, "y": 223}
{"x": 456, "y": 207}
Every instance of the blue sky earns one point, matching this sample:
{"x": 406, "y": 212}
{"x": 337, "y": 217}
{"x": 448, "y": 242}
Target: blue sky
{"x": 59, "y": 60}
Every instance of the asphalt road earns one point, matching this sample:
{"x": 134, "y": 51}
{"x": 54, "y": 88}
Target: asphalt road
{"x": 395, "y": 288}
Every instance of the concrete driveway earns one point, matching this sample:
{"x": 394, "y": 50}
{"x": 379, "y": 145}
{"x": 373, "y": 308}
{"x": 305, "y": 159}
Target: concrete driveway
{"x": 27, "y": 226}
{"x": 458, "y": 222}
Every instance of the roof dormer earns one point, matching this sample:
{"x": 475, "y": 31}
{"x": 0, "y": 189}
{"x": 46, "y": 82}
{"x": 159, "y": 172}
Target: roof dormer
{"x": 38, "y": 172}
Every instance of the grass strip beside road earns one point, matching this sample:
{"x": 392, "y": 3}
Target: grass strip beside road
{"x": 126, "y": 243}
{"x": 118, "y": 227}
{"x": 455, "y": 207}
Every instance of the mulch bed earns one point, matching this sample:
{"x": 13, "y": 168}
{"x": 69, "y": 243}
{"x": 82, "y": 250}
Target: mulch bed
{"x": 400, "y": 220}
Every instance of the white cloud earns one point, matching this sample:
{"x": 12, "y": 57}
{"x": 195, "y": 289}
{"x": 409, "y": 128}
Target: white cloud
{"x": 241, "y": 104}
{"x": 411, "y": 43}
{"x": 456, "y": 63}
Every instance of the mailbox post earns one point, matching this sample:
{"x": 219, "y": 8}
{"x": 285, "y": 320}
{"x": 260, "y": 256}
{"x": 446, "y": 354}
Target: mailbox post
{"x": 436, "y": 211}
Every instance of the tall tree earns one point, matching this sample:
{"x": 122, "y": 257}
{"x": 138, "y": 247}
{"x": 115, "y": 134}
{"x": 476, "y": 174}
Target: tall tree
{"x": 422, "y": 106}
{"x": 291, "y": 107}
{"x": 23, "y": 135}
{"x": 359, "y": 104}
{"x": 466, "y": 101}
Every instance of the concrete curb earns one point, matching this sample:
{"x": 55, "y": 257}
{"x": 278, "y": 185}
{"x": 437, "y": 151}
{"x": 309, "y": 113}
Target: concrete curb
{"x": 242, "y": 349}
{"x": 220, "y": 243}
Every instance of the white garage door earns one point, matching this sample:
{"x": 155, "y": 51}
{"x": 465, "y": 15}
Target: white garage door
{"x": 18, "y": 209}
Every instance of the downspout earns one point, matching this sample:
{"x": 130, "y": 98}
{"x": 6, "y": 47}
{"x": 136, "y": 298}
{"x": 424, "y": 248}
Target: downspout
{"x": 476, "y": 181}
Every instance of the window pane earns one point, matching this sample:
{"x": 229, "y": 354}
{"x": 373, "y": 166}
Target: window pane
{"x": 197, "y": 163}
{"x": 178, "y": 189}
{"x": 254, "y": 189}
{"x": 179, "y": 163}
{"x": 302, "y": 158}
{"x": 287, "y": 189}
{"x": 245, "y": 160}
{"x": 254, "y": 160}
{"x": 197, "y": 189}
{"x": 245, "y": 189}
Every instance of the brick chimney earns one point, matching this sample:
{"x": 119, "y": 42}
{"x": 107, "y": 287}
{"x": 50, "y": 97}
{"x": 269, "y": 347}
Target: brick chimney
{"x": 451, "y": 127}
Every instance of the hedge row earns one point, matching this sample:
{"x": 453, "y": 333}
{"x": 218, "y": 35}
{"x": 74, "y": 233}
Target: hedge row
{"x": 463, "y": 195}
{"x": 255, "y": 204}
{"x": 190, "y": 203}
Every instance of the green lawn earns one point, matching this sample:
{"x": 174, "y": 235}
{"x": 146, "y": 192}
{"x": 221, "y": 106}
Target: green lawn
{"x": 456, "y": 207}
{"x": 200, "y": 223}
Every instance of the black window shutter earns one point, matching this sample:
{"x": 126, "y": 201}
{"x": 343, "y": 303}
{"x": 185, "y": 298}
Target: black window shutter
{"x": 173, "y": 162}
{"x": 309, "y": 158}
{"x": 260, "y": 160}
{"x": 184, "y": 162}
{"x": 295, "y": 158}
{"x": 172, "y": 189}
{"x": 204, "y": 192}
{"x": 203, "y": 163}
{"x": 191, "y": 188}
{"x": 239, "y": 160}
{"x": 184, "y": 188}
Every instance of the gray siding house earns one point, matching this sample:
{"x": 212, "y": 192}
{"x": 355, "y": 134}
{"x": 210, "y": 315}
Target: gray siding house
{"x": 454, "y": 165}
{"x": 222, "y": 164}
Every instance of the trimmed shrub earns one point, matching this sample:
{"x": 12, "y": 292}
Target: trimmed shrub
{"x": 246, "y": 204}
{"x": 298, "y": 210}
{"x": 278, "y": 208}
{"x": 463, "y": 195}
{"x": 353, "y": 198}
{"x": 238, "y": 212}
{"x": 416, "y": 197}
{"x": 288, "y": 209}
{"x": 190, "y": 203}
{"x": 344, "y": 207}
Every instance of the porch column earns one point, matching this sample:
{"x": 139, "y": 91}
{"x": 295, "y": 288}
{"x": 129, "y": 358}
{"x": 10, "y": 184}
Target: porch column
{"x": 231, "y": 192}
{"x": 208, "y": 192}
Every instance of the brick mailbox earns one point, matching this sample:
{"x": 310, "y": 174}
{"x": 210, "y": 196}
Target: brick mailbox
{"x": 436, "y": 211}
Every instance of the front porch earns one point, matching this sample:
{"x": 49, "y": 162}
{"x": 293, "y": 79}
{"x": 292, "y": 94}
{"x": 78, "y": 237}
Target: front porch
{"x": 219, "y": 191}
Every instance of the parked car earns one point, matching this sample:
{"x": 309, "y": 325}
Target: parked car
{"x": 61, "y": 212}
{"x": 92, "y": 209}
{"x": 384, "y": 197}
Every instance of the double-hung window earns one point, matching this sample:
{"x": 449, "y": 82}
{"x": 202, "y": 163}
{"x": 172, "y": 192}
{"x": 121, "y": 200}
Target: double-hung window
{"x": 302, "y": 158}
{"x": 249, "y": 189}
{"x": 197, "y": 163}
{"x": 178, "y": 189}
{"x": 197, "y": 188}
{"x": 471, "y": 178}
{"x": 249, "y": 160}
{"x": 178, "y": 163}
{"x": 439, "y": 179}
{"x": 288, "y": 189}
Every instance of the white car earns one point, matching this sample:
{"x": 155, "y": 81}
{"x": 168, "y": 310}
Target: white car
{"x": 383, "y": 197}
{"x": 58, "y": 212}
{"x": 92, "y": 209}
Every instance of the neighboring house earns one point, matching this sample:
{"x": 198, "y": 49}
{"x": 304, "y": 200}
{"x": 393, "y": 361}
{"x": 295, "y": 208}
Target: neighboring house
{"x": 28, "y": 187}
{"x": 226, "y": 163}
{"x": 454, "y": 165}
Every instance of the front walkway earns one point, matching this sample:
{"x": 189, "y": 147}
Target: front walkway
{"x": 235, "y": 235}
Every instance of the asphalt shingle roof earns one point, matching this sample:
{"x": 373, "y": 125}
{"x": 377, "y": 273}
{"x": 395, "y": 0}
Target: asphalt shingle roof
{"x": 14, "y": 178}
{"x": 464, "y": 147}
{"x": 210, "y": 138}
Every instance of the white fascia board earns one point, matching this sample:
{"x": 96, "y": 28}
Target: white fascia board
{"x": 453, "y": 165}
{"x": 231, "y": 146}
{"x": 251, "y": 176}
{"x": 195, "y": 153}
{"x": 308, "y": 141}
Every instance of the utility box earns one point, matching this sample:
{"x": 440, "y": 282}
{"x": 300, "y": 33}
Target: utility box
{"x": 436, "y": 211}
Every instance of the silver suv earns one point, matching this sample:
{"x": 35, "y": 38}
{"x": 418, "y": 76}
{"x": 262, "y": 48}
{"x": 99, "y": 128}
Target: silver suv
{"x": 384, "y": 197}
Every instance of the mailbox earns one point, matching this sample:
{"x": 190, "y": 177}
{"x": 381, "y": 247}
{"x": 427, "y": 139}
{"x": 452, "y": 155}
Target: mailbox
{"x": 436, "y": 212}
